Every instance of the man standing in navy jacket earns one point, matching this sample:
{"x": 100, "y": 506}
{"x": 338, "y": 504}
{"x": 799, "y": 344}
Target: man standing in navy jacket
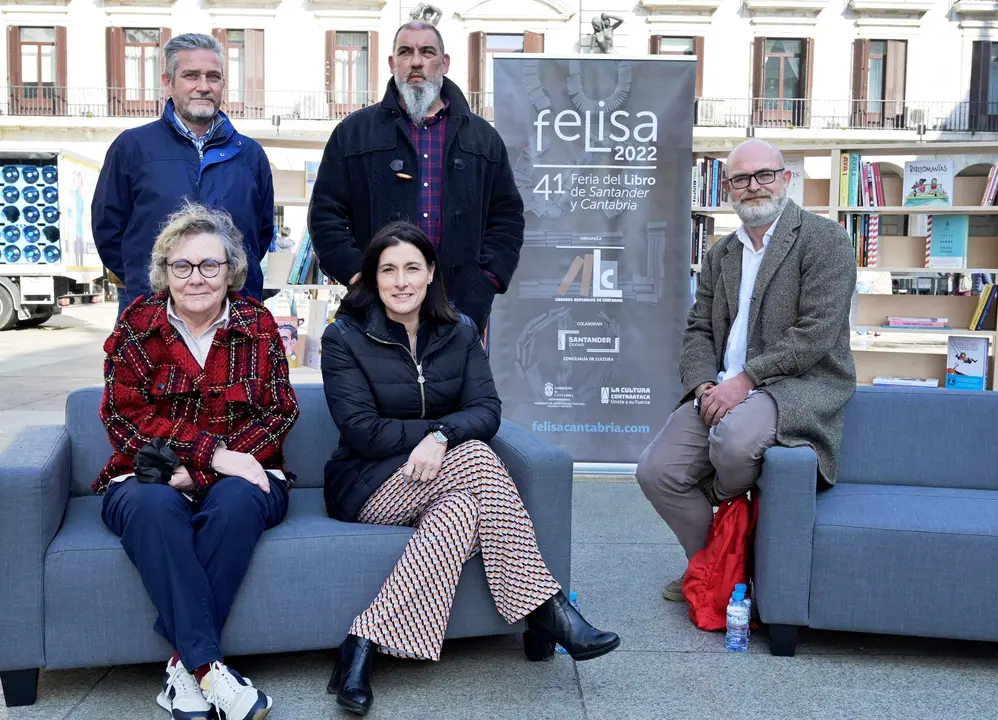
{"x": 192, "y": 151}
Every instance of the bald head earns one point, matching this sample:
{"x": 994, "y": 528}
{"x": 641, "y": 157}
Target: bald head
{"x": 751, "y": 156}
{"x": 756, "y": 182}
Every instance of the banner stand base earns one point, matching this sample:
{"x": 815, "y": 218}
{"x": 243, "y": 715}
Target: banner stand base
{"x": 591, "y": 468}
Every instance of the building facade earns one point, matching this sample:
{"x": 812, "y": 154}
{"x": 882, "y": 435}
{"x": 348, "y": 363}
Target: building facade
{"x": 77, "y": 72}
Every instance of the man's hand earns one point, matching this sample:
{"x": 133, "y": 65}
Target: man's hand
{"x": 425, "y": 460}
{"x": 716, "y": 402}
{"x": 181, "y": 479}
{"x": 244, "y": 465}
{"x": 699, "y": 390}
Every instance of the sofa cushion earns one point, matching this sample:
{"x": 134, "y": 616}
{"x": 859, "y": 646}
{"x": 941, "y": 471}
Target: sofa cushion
{"x": 892, "y": 437}
{"x": 307, "y": 448}
{"x": 310, "y": 576}
{"x": 905, "y": 560}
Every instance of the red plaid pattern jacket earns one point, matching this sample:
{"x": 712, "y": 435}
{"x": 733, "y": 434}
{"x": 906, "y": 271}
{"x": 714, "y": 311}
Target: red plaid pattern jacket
{"x": 153, "y": 387}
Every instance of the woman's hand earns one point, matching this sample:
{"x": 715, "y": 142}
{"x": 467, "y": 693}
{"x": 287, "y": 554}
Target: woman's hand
{"x": 425, "y": 460}
{"x": 181, "y": 479}
{"x": 244, "y": 465}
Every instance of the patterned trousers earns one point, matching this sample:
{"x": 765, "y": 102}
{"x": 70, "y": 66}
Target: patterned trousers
{"x": 471, "y": 506}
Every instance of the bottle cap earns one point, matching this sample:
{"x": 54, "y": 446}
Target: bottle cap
{"x": 741, "y": 586}
{"x": 738, "y": 595}
{"x": 572, "y": 596}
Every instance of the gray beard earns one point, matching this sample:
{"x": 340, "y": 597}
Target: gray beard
{"x": 197, "y": 116}
{"x": 762, "y": 214}
{"x": 419, "y": 98}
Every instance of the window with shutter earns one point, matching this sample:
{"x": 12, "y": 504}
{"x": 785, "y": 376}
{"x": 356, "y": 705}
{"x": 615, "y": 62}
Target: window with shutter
{"x": 142, "y": 69}
{"x": 781, "y": 81}
{"x": 349, "y": 70}
{"x": 495, "y": 43}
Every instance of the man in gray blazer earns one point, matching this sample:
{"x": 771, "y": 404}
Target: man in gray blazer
{"x": 766, "y": 357}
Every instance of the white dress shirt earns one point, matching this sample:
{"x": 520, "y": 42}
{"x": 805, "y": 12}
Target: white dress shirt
{"x": 737, "y": 346}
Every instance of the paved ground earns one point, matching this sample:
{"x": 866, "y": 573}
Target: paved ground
{"x": 665, "y": 667}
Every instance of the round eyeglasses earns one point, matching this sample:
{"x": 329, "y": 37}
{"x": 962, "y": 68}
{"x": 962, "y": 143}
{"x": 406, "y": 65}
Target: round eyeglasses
{"x": 763, "y": 177}
{"x": 208, "y": 268}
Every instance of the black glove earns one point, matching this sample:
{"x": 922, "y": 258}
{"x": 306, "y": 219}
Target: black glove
{"x": 155, "y": 462}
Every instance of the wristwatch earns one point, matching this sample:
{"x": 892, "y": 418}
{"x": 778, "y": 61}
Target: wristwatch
{"x": 439, "y": 436}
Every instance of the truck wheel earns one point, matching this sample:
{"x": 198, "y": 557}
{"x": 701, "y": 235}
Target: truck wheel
{"x": 35, "y": 321}
{"x": 8, "y": 316}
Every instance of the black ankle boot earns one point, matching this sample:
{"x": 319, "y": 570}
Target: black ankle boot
{"x": 556, "y": 621}
{"x": 351, "y": 680}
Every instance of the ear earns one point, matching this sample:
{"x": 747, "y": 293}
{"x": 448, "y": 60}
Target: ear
{"x": 167, "y": 85}
{"x": 446, "y": 63}
{"x": 432, "y": 270}
{"x": 391, "y": 64}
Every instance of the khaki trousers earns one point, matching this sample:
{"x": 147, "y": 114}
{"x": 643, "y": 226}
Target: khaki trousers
{"x": 689, "y": 459}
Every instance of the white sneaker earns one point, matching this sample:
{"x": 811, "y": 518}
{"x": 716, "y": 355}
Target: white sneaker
{"x": 181, "y": 696}
{"x": 232, "y": 695}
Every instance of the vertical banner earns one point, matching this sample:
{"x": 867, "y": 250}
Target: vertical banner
{"x": 585, "y": 343}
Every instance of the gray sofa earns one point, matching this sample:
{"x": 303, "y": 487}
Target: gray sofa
{"x": 906, "y": 541}
{"x": 69, "y": 596}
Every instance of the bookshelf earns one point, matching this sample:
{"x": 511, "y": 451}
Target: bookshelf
{"x": 905, "y": 352}
{"x": 920, "y": 352}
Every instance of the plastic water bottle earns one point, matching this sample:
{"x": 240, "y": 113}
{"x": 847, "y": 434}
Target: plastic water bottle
{"x": 738, "y": 623}
{"x": 748, "y": 604}
{"x": 573, "y": 599}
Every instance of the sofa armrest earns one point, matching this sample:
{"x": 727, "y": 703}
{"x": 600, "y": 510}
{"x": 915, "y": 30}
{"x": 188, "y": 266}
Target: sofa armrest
{"x": 542, "y": 472}
{"x": 784, "y": 534}
{"x": 34, "y": 491}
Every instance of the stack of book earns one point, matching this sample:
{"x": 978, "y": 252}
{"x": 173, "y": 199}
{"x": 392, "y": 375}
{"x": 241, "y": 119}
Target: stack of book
{"x": 895, "y": 322}
{"x": 706, "y": 183}
{"x": 703, "y": 228}
{"x": 984, "y": 302}
{"x": 861, "y": 185}
{"x": 991, "y": 189}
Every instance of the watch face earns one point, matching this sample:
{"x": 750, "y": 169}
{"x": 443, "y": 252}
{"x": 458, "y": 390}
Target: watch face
{"x": 440, "y": 437}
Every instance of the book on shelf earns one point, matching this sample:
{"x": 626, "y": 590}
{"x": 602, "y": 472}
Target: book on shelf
{"x": 926, "y": 323}
{"x": 901, "y": 381}
{"x": 706, "y": 183}
{"x": 305, "y": 267}
{"x": 795, "y": 189}
{"x": 967, "y": 363}
{"x": 991, "y": 188}
{"x": 702, "y": 229}
{"x": 928, "y": 182}
{"x": 294, "y": 345}
{"x": 985, "y": 301}
{"x": 946, "y": 243}
{"x": 861, "y": 185}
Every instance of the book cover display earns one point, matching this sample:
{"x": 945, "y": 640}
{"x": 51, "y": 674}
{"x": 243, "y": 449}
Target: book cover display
{"x": 928, "y": 182}
{"x": 967, "y": 363}
{"x": 948, "y": 248}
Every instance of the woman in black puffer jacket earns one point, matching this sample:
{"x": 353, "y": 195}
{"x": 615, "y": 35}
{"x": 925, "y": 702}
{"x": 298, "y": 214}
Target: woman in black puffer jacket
{"x": 410, "y": 389}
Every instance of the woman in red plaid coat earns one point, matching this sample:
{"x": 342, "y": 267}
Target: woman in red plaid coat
{"x": 203, "y": 370}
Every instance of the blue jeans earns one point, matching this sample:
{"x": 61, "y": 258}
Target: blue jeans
{"x": 192, "y": 556}
{"x": 125, "y": 299}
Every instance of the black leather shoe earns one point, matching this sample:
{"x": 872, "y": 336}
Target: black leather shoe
{"x": 351, "y": 680}
{"x": 556, "y": 621}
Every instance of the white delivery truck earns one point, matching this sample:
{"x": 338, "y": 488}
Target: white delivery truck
{"x": 47, "y": 254}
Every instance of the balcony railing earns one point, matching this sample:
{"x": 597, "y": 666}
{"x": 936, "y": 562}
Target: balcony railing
{"x": 915, "y": 115}
{"x": 789, "y": 114}
{"x": 32, "y": 100}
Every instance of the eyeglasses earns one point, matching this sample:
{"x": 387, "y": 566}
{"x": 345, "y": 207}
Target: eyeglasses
{"x": 208, "y": 268}
{"x": 763, "y": 177}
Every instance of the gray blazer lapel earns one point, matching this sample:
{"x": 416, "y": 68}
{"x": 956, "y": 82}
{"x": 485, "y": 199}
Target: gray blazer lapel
{"x": 731, "y": 275}
{"x": 779, "y": 245}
